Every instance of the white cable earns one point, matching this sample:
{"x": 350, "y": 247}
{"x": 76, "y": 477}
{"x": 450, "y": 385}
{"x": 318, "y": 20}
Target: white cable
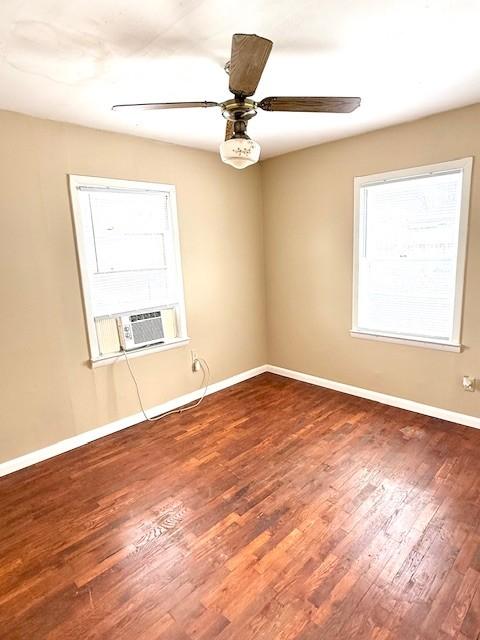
{"x": 206, "y": 376}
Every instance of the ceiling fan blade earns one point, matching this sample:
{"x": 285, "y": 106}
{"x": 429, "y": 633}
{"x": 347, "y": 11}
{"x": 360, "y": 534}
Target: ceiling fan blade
{"x": 247, "y": 62}
{"x": 164, "y": 105}
{"x": 326, "y": 105}
{"x": 229, "y": 130}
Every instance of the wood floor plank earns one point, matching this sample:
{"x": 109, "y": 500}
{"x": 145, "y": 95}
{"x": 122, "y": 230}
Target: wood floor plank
{"x": 276, "y": 510}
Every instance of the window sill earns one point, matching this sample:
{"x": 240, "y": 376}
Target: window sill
{"x": 411, "y": 342}
{"x": 100, "y": 361}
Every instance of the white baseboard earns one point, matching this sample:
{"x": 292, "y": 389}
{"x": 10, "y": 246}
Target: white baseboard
{"x": 394, "y": 401}
{"x": 88, "y": 436}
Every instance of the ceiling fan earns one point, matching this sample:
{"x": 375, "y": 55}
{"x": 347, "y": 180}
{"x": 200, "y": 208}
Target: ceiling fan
{"x": 247, "y": 61}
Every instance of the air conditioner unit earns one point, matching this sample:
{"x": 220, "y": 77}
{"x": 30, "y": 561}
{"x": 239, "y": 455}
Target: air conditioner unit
{"x": 142, "y": 329}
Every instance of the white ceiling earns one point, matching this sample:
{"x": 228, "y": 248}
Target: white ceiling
{"x": 71, "y": 61}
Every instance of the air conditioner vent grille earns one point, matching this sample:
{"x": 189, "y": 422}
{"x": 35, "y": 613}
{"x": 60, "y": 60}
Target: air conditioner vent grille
{"x": 147, "y": 330}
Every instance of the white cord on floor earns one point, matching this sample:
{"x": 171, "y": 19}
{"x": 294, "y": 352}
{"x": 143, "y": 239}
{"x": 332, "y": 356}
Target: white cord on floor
{"x": 205, "y": 383}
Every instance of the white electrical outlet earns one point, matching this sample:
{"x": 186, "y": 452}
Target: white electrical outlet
{"x": 195, "y": 362}
{"x": 468, "y": 383}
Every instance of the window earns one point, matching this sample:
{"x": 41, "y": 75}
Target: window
{"x": 129, "y": 254}
{"x": 409, "y": 254}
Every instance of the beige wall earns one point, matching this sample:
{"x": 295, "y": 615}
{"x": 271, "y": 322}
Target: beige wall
{"x": 308, "y": 204}
{"x": 48, "y": 392}
{"x": 295, "y": 263}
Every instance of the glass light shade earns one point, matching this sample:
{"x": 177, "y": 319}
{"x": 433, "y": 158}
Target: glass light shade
{"x": 240, "y": 152}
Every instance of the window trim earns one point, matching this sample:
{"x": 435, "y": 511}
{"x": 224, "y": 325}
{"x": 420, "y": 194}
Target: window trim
{"x": 454, "y": 344}
{"x": 76, "y": 181}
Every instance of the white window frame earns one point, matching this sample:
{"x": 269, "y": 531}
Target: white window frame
{"x": 76, "y": 181}
{"x": 454, "y": 344}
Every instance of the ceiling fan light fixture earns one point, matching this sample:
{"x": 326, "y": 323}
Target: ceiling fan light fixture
{"x": 240, "y": 152}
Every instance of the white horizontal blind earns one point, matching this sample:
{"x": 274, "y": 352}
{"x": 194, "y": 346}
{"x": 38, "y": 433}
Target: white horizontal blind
{"x": 408, "y": 246}
{"x": 129, "y": 249}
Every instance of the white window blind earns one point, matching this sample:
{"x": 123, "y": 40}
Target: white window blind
{"x": 409, "y": 254}
{"x": 129, "y": 250}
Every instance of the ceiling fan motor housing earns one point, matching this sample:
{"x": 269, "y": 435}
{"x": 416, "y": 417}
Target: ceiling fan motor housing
{"x": 239, "y": 109}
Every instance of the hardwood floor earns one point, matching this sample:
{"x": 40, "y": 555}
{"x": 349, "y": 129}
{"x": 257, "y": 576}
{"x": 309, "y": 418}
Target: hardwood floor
{"x": 276, "y": 510}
